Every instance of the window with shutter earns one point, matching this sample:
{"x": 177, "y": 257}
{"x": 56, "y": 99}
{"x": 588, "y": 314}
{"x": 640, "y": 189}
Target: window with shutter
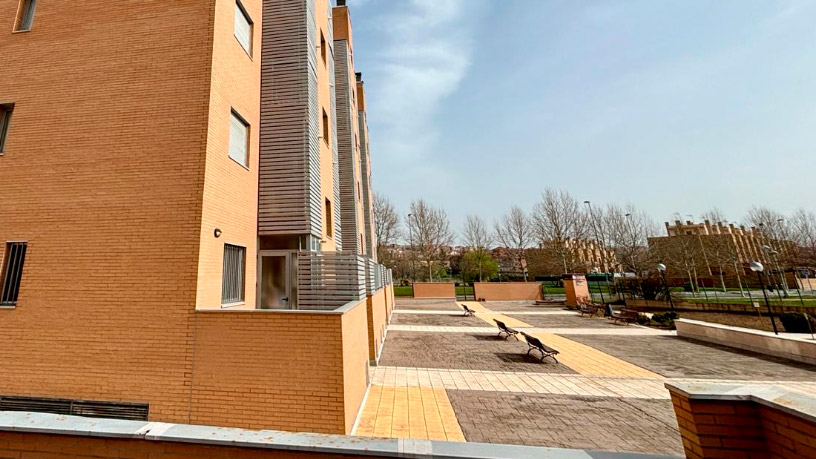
{"x": 239, "y": 140}
{"x": 243, "y": 28}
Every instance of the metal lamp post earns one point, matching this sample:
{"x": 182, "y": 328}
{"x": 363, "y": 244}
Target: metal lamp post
{"x": 662, "y": 268}
{"x": 758, "y": 268}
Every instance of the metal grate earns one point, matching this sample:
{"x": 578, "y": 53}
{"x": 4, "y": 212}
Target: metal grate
{"x": 88, "y": 409}
{"x": 12, "y": 272}
{"x": 5, "y": 123}
{"x": 232, "y": 282}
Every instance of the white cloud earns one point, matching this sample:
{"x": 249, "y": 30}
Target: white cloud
{"x": 427, "y": 50}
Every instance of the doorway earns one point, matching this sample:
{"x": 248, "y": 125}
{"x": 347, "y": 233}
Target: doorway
{"x": 277, "y": 286}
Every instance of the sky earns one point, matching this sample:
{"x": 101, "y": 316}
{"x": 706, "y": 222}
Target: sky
{"x": 675, "y": 106}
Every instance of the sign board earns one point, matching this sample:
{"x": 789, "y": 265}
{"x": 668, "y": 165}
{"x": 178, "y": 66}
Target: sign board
{"x": 756, "y": 304}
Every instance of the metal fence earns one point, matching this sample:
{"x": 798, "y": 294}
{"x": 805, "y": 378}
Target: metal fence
{"x": 329, "y": 280}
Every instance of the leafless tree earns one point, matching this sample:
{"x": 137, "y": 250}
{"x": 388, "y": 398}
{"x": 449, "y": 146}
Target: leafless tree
{"x": 431, "y": 232}
{"x": 714, "y": 215}
{"x": 628, "y": 231}
{"x": 803, "y": 234}
{"x": 386, "y": 226}
{"x": 777, "y": 250}
{"x": 558, "y": 220}
{"x": 515, "y": 232}
{"x": 478, "y": 238}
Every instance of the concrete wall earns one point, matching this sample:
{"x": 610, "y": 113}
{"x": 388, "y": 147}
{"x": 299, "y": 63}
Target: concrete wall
{"x": 434, "y": 290}
{"x": 762, "y": 422}
{"x": 800, "y": 350}
{"x": 508, "y": 291}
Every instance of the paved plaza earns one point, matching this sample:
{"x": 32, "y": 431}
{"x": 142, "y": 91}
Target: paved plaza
{"x": 444, "y": 376}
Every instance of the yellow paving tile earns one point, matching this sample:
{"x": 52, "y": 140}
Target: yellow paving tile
{"x": 487, "y": 315}
{"x": 399, "y": 423}
{"x": 409, "y": 412}
{"x": 587, "y": 360}
{"x": 365, "y": 425}
{"x": 584, "y": 359}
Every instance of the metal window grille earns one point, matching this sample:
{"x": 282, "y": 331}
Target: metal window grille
{"x": 27, "y": 17}
{"x": 12, "y": 272}
{"x": 243, "y": 27}
{"x": 5, "y": 123}
{"x": 232, "y": 282}
{"x": 239, "y": 139}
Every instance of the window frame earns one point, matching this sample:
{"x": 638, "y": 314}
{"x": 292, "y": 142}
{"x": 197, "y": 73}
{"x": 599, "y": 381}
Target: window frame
{"x": 26, "y": 11}
{"x": 329, "y": 208}
{"x": 236, "y": 280}
{"x": 6, "y": 273}
{"x": 323, "y": 48}
{"x": 326, "y": 128}
{"x": 241, "y": 10}
{"x": 6, "y": 112}
{"x": 234, "y": 114}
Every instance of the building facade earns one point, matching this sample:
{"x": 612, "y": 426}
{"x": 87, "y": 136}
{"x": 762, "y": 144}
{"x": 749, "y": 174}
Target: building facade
{"x": 172, "y": 218}
{"x": 719, "y": 251}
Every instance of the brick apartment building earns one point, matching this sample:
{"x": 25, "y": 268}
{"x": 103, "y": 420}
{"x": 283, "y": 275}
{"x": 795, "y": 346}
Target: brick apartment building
{"x": 185, "y": 206}
{"x": 718, "y": 248}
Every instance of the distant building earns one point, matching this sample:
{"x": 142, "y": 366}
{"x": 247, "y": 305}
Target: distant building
{"x": 715, "y": 249}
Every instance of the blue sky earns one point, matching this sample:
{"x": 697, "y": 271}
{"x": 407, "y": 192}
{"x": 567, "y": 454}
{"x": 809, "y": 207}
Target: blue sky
{"x": 674, "y": 106}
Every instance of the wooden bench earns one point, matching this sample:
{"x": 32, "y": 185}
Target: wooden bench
{"x": 504, "y": 329}
{"x": 627, "y": 316}
{"x": 468, "y": 312}
{"x": 591, "y": 310}
{"x": 534, "y": 343}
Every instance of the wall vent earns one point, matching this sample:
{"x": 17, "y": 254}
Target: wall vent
{"x": 86, "y": 408}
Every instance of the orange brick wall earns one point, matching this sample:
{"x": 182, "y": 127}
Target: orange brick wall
{"x": 507, "y": 291}
{"x": 231, "y": 190}
{"x": 576, "y": 291}
{"x": 728, "y": 429}
{"x": 377, "y": 321}
{"x": 355, "y": 362}
{"x": 103, "y": 175}
{"x": 434, "y": 290}
{"x": 13, "y": 444}
{"x": 243, "y": 379}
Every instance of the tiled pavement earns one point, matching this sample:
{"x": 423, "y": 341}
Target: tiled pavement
{"x": 607, "y": 393}
{"x": 632, "y": 331}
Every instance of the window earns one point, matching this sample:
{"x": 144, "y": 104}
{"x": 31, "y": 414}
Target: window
{"x": 5, "y": 124}
{"x": 232, "y": 281}
{"x": 325, "y": 127}
{"x": 329, "y": 219}
{"x": 243, "y": 28}
{"x": 239, "y": 139}
{"x": 323, "y": 47}
{"x": 25, "y": 15}
{"x": 12, "y": 273}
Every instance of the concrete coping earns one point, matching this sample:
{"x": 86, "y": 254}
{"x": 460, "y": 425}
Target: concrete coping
{"x": 339, "y": 311}
{"x": 750, "y": 331}
{"x": 54, "y": 424}
{"x": 794, "y": 403}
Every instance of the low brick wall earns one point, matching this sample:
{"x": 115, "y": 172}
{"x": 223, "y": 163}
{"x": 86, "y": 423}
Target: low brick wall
{"x": 434, "y": 290}
{"x": 507, "y": 291}
{"x": 725, "y": 421}
{"x": 262, "y": 369}
{"x": 797, "y": 349}
{"x": 377, "y": 305}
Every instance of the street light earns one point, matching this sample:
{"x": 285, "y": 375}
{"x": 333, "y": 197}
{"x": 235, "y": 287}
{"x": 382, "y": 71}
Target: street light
{"x": 758, "y": 268}
{"x": 662, "y": 268}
